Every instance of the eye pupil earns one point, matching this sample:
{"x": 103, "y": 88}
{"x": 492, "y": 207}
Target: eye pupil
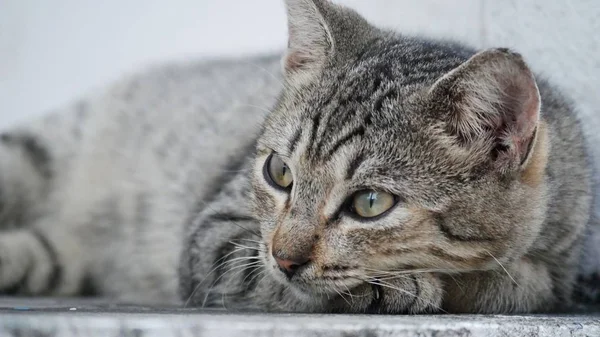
{"x": 369, "y": 203}
{"x": 277, "y": 173}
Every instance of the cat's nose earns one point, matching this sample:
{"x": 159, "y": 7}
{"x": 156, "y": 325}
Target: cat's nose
{"x": 290, "y": 266}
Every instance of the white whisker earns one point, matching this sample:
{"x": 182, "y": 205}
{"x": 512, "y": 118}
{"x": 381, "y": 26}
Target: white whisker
{"x": 248, "y": 265}
{"x": 222, "y": 261}
{"x": 506, "y": 271}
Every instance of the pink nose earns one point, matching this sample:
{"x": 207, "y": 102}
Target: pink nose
{"x": 290, "y": 267}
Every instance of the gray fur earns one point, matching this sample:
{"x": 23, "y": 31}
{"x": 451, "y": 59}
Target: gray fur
{"x": 154, "y": 191}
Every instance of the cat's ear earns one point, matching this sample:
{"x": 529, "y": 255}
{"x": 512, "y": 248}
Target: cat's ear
{"x": 493, "y": 105}
{"x": 310, "y": 40}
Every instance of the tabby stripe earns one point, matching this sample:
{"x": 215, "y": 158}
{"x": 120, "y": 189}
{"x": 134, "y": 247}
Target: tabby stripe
{"x": 390, "y": 94}
{"x": 17, "y": 288}
{"x": 56, "y": 274}
{"x": 36, "y": 153}
{"x": 416, "y": 79}
{"x": 452, "y": 236}
{"x": 233, "y": 219}
{"x": 479, "y": 258}
{"x": 445, "y": 255}
{"x": 230, "y": 217}
{"x": 324, "y": 128}
{"x": 449, "y": 234}
{"x": 357, "y": 132}
{"x": 315, "y": 125}
{"x": 294, "y": 141}
{"x": 354, "y": 165}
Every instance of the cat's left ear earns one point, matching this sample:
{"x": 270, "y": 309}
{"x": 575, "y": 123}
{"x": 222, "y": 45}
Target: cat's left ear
{"x": 310, "y": 40}
{"x": 492, "y": 106}
{"x": 320, "y": 31}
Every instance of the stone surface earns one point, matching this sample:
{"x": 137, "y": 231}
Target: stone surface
{"x": 42, "y": 318}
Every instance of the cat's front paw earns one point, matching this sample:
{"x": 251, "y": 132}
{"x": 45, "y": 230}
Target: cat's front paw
{"x": 409, "y": 294}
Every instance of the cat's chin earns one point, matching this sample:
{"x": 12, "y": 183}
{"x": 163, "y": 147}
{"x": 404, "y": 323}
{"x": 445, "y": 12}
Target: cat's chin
{"x": 318, "y": 290}
{"x": 309, "y": 290}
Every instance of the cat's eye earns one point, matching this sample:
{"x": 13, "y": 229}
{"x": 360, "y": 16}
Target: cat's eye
{"x": 277, "y": 172}
{"x": 369, "y": 203}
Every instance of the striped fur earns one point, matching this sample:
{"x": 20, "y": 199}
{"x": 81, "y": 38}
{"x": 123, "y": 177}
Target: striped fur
{"x": 155, "y": 191}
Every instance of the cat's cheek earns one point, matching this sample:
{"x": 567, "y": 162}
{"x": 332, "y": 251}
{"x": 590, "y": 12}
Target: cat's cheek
{"x": 263, "y": 203}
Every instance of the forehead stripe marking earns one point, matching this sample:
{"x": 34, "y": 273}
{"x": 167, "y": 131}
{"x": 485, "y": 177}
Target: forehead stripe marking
{"x": 356, "y": 132}
{"x": 315, "y": 125}
{"x": 294, "y": 141}
{"x": 354, "y": 165}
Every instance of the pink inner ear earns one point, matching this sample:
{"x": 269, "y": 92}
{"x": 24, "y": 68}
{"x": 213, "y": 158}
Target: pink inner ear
{"x": 526, "y": 117}
{"x": 531, "y": 108}
{"x": 295, "y": 60}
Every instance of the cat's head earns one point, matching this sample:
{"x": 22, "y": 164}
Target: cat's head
{"x": 387, "y": 154}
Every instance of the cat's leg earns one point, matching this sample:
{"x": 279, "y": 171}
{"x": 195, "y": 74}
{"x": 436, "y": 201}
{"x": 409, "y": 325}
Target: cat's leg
{"x": 39, "y": 254}
{"x": 35, "y": 159}
{"x": 524, "y": 286}
{"x": 408, "y": 294}
{"x": 32, "y": 263}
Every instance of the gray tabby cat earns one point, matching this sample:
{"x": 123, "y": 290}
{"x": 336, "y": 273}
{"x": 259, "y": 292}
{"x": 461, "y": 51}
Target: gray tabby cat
{"x": 391, "y": 175}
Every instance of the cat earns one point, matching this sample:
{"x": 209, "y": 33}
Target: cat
{"x": 365, "y": 172}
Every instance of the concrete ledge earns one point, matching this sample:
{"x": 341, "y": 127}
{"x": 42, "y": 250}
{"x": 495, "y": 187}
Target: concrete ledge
{"x": 47, "y": 318}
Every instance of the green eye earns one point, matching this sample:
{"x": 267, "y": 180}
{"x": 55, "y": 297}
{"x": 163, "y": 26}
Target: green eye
{"x": 369, "y": 204}
{"x": 278, "y": 172}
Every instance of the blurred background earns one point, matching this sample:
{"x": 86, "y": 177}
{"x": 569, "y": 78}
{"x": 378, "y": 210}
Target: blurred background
{"x": 52, "y": 52}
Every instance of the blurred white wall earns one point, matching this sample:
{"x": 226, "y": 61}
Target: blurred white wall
{"x": 52, "y": 52}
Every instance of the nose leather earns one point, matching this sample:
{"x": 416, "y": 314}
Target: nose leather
{"x": 290, "y": 266}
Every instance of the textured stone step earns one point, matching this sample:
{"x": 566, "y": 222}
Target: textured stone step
{"x": 97, "y": 318}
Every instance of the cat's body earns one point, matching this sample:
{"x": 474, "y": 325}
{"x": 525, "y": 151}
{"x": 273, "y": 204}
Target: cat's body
{"x": 157, "y": 190}
{"x": 121, "y": 177}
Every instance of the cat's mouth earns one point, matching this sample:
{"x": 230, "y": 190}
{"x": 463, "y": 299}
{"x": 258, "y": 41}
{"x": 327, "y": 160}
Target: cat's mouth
{"x": 311, "y": 280}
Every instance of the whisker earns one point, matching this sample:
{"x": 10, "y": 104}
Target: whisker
{"x": 458, "y": 284}
{"x": 222, "y": 261}
{"x": 225, "y": 273}
{"x": 264, "y": 70}
{"x": 264, "y": 109}
{"x": 262, "y": 272}
{"x": 244, "y": 246}
{"x": 348, "y": 292}
{"x": 255, "y": 241}
{"x": 387, "y": 285}
{"x": 250, "y": 274}
{"x": 393, "y": 277}
{"x": 224, "y": 294}
{"x": 500, "y": 264}
{"x": 390, "y": 286}
{"x": 420, "y": 271}
{"x": 342, "y": 296}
